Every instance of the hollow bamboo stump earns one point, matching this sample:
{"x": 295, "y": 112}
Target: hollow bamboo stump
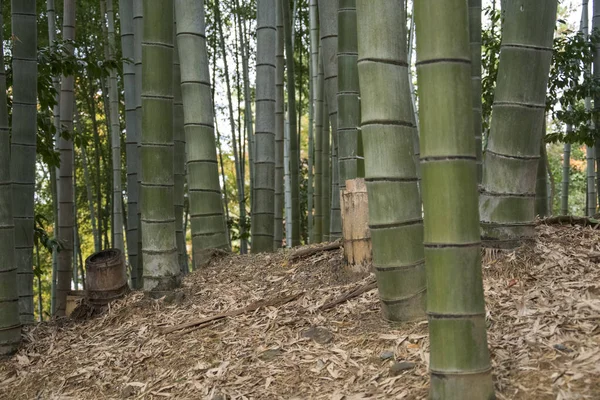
{"x": 106, "y": 277}
{"x": 355, "y": 225}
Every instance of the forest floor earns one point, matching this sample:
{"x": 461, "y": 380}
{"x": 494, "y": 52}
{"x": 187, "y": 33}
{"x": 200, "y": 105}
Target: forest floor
{"x": 543, "y": 303}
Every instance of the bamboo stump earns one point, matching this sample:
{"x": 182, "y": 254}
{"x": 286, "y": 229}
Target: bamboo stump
{"x": 106, "y": 277}
{"x": 355, "y": 225}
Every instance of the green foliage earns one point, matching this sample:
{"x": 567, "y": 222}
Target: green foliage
{"x": 490, "y": 40}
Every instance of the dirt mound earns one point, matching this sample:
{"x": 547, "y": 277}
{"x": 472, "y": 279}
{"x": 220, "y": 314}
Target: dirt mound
{"x": 543, "y": 304}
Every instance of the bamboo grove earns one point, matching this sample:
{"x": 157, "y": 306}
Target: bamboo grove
{"x": 176, "y": 129}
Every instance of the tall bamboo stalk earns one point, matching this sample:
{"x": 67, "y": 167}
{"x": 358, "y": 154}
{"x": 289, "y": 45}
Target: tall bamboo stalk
{"x": 138, "y": 32}
{"x": 395, "y": 217}
{"x": 115, "y": 135}
{"x": 475, "y": 41}
{"x": 10, "y": 325}
{"x": 292, "y": 129}
{"x": 179, "y": 157}
{"x": 596, "y": 28}
{"x": 279, "y": 134}
{"x": 65, "y": 189}
{"x": 317, "y": 112}
{"x": 208, "y": 226}
{"x": 459, "y": 360}
{"x": 132, "y": 135}
{"x": 329, "y": 38}
{"x": 507, "y": 201}
{"x": 350, "y": 165}
{"x": 159, "y": 247}
{"x": 564, "y": 200}
{"x": 327, "y": 164}
{"x": 264, "y": 161}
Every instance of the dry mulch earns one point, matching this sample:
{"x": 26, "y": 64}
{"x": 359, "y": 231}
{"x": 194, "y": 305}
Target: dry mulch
{"x": 543, "y": 304}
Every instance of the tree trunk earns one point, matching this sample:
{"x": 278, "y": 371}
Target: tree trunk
{"x": 65, "y": 190}
{"x": 507, "y": 201}
{"x": 132, "y": 138}
{"x": 459, "y": 361}
{"x": 263, "y": 214}
{"x": 391, "y": 176}
{"x": 293, "y": 133}
{"x": 280, "y": 142}
{"x": 10, "y": 325}
{"x": 475, "y": 40}
{"x": 179, "y": 159}
{"x": 115, "y": 134}
{"x": 159, "y": 247}
{"x": 317, "y": 107}
{"x": 204, "y": 193}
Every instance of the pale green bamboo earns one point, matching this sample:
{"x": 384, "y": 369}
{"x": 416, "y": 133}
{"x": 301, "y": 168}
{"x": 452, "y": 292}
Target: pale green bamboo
{"x": 264, "y": 145}
{"x": 138, "y": 32}
{"x": 10, "y": 325}
{"x": 507, "y": 202}
{"x": 459, "y": 362}
{"x": 179, "y": 158}
{"x": 204, "y": 192}
{"x": 132, "y": 136}
{"x": 349, "y": 108}
{"x": 329, "y": 38}
{"x": 159, "y": 247}
{"x": 23, "y": 146}
{"x": 475, "y": 41}
{"x": 317, "y": 231}
{"x": 292, "y": 128}
{"x": 564, "y": 202}
{"x": 115, "y": 136}
{"x": 65, "y": 184}
{"x": 279, "y": 130}
{"x": 392, "y": 184}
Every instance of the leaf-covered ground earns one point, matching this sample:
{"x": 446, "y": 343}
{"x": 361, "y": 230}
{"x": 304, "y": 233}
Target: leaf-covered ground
{"x": 543, "y": 304}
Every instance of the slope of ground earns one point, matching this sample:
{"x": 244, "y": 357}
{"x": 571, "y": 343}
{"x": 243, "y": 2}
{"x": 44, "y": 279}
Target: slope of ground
{"x": 543, "y": 304}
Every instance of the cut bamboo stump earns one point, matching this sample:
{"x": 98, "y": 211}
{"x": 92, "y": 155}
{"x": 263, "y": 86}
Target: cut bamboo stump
{"x": 355, "y": 225}
{"x": 106, "y": 277}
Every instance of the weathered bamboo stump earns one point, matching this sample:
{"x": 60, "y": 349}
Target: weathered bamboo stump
{"x": 355, "y": 225}
{"x": 106, "y": 277}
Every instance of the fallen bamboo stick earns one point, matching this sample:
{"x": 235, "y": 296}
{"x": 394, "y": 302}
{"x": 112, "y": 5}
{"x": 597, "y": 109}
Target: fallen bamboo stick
{"x": 252, "y": 307}
{"x": 314, "y": 250}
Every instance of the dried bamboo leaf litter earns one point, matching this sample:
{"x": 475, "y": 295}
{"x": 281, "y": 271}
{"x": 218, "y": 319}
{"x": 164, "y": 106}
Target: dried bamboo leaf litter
{"x": 543, "y": 304}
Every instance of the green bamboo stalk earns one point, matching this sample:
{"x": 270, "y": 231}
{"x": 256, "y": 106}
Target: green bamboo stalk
{"x": 459, "y": 361}
{"x": 564, "y": 202}
{"x": 65, "y": 189}
{"x": 10, "y": 325}
{"x": 327, "y": 165}
{"x": 317, "y": 105}
{"x": 159, "y": 247}
{"x": 475, "y": 41}
{"x": 541, "y": 186}
{"x": 132, "y": 136}
{"x": 292, "y": 128}
{"x": 115, "y": 135}
{"x": 329, "y": 38}
{"x": 350, "y": 165}
{"x": 279, "y": 130}
{"x": 596, "y": 28}
{"x": 204, "y": 192}
{"x": 391, "y": 176}
{"x": 138, "y": 32}
{"x": 507, "y": 202}
{"x": 179, "y": 159}
{"x": 264, "y": 158}
{"x": 23, "y": 146}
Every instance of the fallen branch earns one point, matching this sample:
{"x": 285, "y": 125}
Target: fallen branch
{"x": 314, "y": 250}
{"x": 571, "y": 220}
{"x": 350, "y": 295}
{"x": 252, "y": 307}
